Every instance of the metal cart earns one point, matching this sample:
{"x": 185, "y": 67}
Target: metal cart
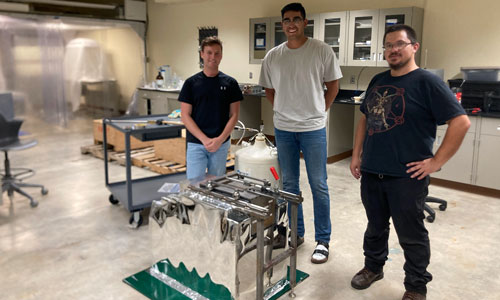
{"x": 137, "y": 194}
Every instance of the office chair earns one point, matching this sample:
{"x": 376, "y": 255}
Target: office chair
{"x": 12, "y": 178}
{"x": 432, "y": 214}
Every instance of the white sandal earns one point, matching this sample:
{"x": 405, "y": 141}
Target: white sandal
{"x": 320, "y": 254}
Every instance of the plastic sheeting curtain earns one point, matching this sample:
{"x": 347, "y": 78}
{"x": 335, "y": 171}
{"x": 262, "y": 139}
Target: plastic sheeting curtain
{"x": 84, "y": 60}
{"x": 51, "y": 44}
{"x": 31, "y": 66}
{"x": 44, "y": 66}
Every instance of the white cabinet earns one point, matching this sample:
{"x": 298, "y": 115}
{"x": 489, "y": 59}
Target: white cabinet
{"x": 333, "y": 31}
{"x": 260, "y": 39}
{"x": 278, "y": 35}
{"x": 356, "y": 37}
{"x": 476, "y": 160}
{"x": 266, "y": 33}
{"x": 366, "y": 33}
{"x": 459, "y": 167}
{"x": 488, "y": 163}
{"x": 339, "y": 128}
{"x": 362, "y": 38}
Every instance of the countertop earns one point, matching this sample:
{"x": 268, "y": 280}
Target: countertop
{"x": 483, "y": 114}
{"x": 343, "y": 100}
{"x": 160, "y": 90}
{"x": 261, "y": 94}
{"x": 343, "y": 97}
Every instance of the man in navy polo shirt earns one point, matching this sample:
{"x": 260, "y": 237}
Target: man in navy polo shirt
{"x": 210, "y": 104}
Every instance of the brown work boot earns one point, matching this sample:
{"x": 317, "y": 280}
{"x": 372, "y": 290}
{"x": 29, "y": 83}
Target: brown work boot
{"x": 413, "y": 296}
{"x": 364, "y": 278}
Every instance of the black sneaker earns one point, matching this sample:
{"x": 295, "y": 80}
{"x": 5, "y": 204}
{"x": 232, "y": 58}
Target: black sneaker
{"x": 300, "y": 241}
{"x": 279, "y": 241}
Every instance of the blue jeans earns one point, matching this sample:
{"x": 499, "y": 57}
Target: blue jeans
{"x": 313, "y": 147}
{"x": 198, "y": 160}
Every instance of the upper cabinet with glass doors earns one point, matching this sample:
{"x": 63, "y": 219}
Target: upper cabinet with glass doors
{"x": 278, "y": 35}
{"x": 332, "y": 31}
{"x": 366, "y": 33}
{"x": 266, "y": 33}
{"x": 356, "y": 37}
{"x": 260, "y": 39}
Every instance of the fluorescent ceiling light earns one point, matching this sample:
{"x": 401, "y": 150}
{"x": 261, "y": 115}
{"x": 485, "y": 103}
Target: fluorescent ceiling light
{"x": 70, "y": 3}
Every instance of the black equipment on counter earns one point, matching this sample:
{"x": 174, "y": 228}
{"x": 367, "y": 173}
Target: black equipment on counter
{"x": 481, "y": 96}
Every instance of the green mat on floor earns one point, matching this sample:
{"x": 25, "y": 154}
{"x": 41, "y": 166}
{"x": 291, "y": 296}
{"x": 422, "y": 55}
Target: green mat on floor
{"x": 156, "y": 285}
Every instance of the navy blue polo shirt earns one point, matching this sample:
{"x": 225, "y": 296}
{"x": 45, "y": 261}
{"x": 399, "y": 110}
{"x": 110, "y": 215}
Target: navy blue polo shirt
{"x": 211, "y": 98}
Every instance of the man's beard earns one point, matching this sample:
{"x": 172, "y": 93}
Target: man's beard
{"x": 399, "y": 65}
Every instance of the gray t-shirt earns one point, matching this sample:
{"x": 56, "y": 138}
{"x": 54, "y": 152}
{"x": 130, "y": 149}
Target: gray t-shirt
{"x": 297, "y": 76}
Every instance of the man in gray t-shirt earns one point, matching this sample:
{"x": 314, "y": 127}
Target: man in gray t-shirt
{"x": 293, "y": 75}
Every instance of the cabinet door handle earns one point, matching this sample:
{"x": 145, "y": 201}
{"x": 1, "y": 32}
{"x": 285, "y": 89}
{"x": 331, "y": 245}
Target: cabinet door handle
{"x": 374, "y": 56}
{"x": 498, "y": 127}
{"x": 380, "y": 57}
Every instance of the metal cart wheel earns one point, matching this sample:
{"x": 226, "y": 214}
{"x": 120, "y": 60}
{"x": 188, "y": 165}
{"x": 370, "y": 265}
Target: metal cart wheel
{"x": 135, "y": 220}
{"x": 45, "y": 191}
{"x": 113, "y": 200}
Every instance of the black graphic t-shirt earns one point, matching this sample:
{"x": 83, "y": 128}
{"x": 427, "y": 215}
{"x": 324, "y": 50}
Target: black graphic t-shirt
{"x": 402, "y": 114}
{"x": 211, "y": 98}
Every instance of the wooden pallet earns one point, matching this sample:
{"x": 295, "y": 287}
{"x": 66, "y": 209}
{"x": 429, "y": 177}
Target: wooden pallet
{"x": 143, "y": 158}
{"x": 94, "y": 150}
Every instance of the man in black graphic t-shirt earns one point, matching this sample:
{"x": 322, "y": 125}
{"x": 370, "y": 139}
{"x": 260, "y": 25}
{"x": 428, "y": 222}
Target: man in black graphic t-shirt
{"x": 393, "y": 157}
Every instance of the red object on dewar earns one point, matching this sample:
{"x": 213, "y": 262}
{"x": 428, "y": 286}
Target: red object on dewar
{"x": 275, "y": 174}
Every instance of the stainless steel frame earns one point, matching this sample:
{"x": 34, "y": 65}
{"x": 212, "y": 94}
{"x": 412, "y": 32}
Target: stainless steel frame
{"x": 243, "y": 208}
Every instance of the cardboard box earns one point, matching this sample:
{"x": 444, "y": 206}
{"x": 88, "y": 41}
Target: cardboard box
{"x": 116, "y": 138}
{"x": 173, "y": 150}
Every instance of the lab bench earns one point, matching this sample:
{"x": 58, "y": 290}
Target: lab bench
{"x": 256, "y": 109}
{"x": 162, "y": 101}
{"x": 341, "y": 122}
{"x": 157, "y": 101}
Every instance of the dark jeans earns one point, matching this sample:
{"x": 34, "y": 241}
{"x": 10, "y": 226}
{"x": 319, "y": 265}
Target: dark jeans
{"x": 403, "y": 199}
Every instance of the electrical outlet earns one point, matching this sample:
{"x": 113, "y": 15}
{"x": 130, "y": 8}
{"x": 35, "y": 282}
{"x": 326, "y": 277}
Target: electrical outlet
{"x": 353, "y": 79}
{"x": 250, "y": 75}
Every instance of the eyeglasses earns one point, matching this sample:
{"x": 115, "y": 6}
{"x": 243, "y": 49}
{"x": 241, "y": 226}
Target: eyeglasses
{"x": 296, "y": 21}
{"x": 397, "y": 46}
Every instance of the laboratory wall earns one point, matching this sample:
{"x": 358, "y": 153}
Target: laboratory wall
{"x": 455, "y": 33}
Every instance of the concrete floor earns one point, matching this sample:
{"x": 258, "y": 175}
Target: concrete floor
{"x": 75, "y": 245}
